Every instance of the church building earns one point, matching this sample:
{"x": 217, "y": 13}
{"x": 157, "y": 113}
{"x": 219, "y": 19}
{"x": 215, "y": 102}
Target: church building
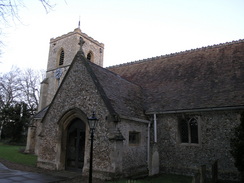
{"x": 167, "y": 114}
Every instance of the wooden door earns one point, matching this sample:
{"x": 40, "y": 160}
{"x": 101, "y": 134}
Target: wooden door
{"x": 75, "y": 145}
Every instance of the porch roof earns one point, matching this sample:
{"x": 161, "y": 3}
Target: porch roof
{"x": 125, "y": 97}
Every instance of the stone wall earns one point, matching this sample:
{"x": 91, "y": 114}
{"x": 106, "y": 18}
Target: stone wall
{"x": 78, "y": 97}
{"x": 216, "y": 129}
{"x": 31, "y": 138}
{"x": 76, "y": 92}
{"x": 70, "y": 44}
{"x": 134, "y": 156}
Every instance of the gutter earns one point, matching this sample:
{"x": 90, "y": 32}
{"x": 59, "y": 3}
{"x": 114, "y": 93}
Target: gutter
{"x": 134, "y": 119}
{"x": 148, "y": 146}
{"x": 197, "y": 110}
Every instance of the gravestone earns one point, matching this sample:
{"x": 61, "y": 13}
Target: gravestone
{"x": 203, "y": 174}
{"x": 215, "y": 172}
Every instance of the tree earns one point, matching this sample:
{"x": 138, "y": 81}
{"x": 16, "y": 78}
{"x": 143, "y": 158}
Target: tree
{"x": 9, "y": 8}
{"x": 9, "y": 94}
{"x": 237, "y": 147}
{"x": 9, "y": 87}
{"x": 16, "y": 118}
{"x": 9, "y": 12}
{"x": 18, "y": 88}
{"x": 30, "y": 88}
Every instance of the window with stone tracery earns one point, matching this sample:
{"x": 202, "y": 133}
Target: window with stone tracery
{"x": 188, "y": 128}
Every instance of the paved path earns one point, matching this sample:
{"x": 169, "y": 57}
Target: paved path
{"x": 14, "y": 176}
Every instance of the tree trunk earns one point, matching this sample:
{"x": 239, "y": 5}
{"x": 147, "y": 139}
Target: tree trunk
{"x": 1, "y": 129}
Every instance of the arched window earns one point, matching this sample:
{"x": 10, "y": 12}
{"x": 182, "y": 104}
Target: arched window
{"x": 184, "y": 131}
{"x": 61, "y": 57}
{"x": 90, "y": 56}
{"x": 188, "y": 130}
{"x": 193, "y": 130}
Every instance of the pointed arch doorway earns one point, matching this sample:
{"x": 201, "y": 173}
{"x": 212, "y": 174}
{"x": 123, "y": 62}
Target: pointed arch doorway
{"x": 75, "y": 146}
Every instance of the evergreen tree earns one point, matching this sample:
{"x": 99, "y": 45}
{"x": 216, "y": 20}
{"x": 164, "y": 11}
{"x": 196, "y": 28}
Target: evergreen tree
{"x": 16, "y": 119}
{"x": 19, "y": 94}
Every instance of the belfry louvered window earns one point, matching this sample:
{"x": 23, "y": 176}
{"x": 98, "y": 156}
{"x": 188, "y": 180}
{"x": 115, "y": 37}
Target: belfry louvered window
{"x": 90, "y": 56}
{"x": 188, "y": 130}
{"x": 61, "y": 57}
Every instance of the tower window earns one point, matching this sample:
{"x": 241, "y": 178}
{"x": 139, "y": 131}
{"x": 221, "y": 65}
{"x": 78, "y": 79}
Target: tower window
{"x": 61, "y": 58}
{"x": 90, "y": 56}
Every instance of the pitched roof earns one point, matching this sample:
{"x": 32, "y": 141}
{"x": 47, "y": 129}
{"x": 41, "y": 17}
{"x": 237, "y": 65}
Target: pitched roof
{"x": 202, "y": 78}
{"x": 120, "y": 96}
{"x": 41, "y": 113}
{"x": 125, "y": 97}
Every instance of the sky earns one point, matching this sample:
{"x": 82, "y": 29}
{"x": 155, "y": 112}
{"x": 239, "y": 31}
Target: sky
{"x": 131, "y": 30}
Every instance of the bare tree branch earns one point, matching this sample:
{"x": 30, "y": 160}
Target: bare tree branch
{"x": 48, "y": 7}
{"x": 10, "y": 87}
{"x": 9, "y": 12}
{"x": 30, "y": 88}
{"x": 20, "y": 86}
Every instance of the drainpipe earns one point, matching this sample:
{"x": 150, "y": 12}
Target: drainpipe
{"x": 155, "y": 128}
{"x": 148, "y": 145}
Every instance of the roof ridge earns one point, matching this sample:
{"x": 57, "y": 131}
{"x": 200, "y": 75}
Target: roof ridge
{"x": 178, "y": 53}
{"x": 113, "y": 73}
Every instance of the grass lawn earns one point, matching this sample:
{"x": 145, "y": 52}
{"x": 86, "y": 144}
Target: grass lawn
{"x": 13, "y": 154}
{"x": 165, "y": 178}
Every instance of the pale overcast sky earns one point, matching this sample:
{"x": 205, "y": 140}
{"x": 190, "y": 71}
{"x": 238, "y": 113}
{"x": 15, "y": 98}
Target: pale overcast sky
{"x": 130, "y": 29}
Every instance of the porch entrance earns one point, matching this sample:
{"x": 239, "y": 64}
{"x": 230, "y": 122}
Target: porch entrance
{"x": 75, "y": 147}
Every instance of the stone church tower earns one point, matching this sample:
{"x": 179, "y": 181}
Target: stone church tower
{"x": 61, "y": 53}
